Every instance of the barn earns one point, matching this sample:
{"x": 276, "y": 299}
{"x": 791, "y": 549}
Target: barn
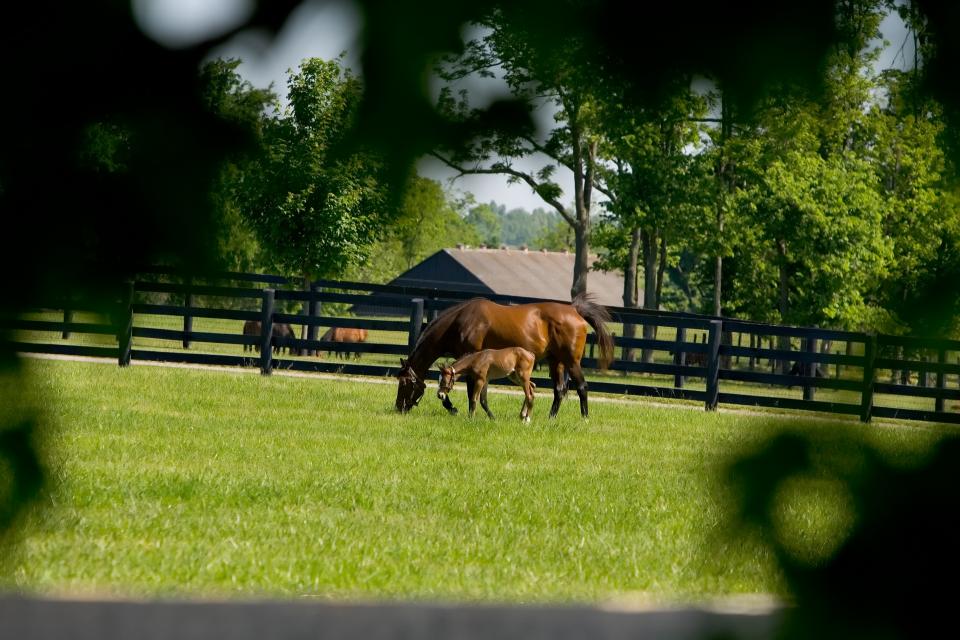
{"x": 513, "y": 272}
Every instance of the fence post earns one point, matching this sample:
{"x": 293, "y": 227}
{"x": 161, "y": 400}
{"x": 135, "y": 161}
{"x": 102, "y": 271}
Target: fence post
{"x": 869, "y": 373}
{"x": 680, "y": 356}
{"x": 809, "y": 368}
{"x": 125, "y": 324}
{"x": 771, "y": 361}
{"x": 266, "y": 332}
{"x": 187, "y": 318}
{"x": 67, "y": 319}
{"x": 313, "y": 310}
{"x": 416, "y": 320}
{"x": 713, "y": 366}
{"x": 941, "y": 378}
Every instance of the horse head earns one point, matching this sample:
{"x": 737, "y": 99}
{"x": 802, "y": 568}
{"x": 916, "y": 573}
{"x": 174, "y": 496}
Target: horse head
{"x": 447, "y": 378}
{"x": 410, "y": 389}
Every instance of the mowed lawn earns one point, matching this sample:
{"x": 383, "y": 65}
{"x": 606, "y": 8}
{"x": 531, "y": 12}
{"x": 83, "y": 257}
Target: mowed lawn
{"x": 175, "y": 481}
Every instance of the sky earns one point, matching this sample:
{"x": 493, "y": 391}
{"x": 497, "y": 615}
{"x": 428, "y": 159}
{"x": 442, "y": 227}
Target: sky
{"x": 325, "y": 29}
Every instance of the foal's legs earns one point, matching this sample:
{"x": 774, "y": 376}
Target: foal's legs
{"x": 478, "y": 394}
{"x": 471, "y": 396}
{"x": 524, "y": 383}
{"x": 522, "y": 378}
{"x": 452, "y": 410}
{"x": 483, "y": 400}
{"x": 576, "y": 373}
{"x": 559, "y": 386}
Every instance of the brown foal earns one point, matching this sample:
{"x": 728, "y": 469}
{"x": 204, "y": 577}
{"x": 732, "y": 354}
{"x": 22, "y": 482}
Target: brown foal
{"x": 515, "y": 363}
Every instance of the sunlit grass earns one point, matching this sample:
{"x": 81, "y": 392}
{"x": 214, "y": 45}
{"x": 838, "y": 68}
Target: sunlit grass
{"x": 176, "y": 481}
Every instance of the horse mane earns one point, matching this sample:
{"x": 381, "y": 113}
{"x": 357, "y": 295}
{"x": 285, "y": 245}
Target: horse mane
{"x": 440, "y": 324}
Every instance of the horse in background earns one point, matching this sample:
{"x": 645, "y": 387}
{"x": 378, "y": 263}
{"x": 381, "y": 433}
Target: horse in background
{"x": 345, "y": 334}
{"x": 555, "y": 331}
{"x": 515, "y": 363}
{"x": 280, "y": 330}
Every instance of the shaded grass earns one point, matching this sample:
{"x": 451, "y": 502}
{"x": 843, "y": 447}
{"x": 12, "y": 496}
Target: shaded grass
{"x": 187, "y": 482}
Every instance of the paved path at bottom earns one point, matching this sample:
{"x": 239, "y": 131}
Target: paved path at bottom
{"x": 28, "y": 618}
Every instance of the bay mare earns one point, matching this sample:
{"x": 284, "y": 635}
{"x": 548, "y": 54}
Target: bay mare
{"x": 515, "y": 363}
{"x": 552, "y": 331}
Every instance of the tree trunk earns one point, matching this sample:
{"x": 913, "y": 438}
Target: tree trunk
{"x": 718, "y": 276}
{"x": 725, "y": 177}
{"x": 583, "y": 161}
{"x": 650, "y": 300}
{"x": 581, "y": 262}
{"x": 661, "y": 267}
{"x": 784, "y": 341}
{"x": 305, "y": 330}
{"x": 630, "y": 288}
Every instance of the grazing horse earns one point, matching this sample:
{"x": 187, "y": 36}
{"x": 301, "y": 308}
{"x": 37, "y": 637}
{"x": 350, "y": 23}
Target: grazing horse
{"x": 280, "y": 330}
{"x": 552, "y": 330}
{"x": 798, "y": 370}
{"x": 345, "y": 334}
{"x": 515, "y": 363}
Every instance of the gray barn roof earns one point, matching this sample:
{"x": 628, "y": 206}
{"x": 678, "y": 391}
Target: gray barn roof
{"x": 536, "y": 274}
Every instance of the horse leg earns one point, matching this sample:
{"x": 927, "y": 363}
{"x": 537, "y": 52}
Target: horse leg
{"x": 483, "y": 400}
{"x": 471, "y": 401}
{"x": 528, "y": 401}
{"x": 527, "y": 385}
{"x": 475, "y": 394}
{"x": 576, "y": 373}
{"x": 559, "y": 386}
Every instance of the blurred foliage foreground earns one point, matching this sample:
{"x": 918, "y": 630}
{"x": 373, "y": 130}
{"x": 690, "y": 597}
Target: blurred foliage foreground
{"x": 889, "y": 575}
{"x": 87, "y": 64}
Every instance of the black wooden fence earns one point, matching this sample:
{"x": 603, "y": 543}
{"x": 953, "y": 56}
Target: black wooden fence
{"x": 702, "y": 351}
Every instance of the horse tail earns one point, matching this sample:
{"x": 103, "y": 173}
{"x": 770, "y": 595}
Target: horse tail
{"x": 597, "y": 317}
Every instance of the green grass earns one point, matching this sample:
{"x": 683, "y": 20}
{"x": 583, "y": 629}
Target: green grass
{"x": 173, "y": 482}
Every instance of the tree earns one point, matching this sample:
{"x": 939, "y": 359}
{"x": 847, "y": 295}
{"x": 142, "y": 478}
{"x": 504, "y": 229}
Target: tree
{"x": 821, "y": 221}
{"x": 315, "y": 212}
{"x": 226, "y": 94}
{"x": 558, "y": 236}
{"x": 650, "y": 181}
{"x": 486, "y": 219}
{"x": 923, "y": 217}
{"x": 427, "y": 222}
{"x": 536, "y": 76}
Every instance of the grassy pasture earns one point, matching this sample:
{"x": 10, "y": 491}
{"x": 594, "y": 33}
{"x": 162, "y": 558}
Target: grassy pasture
{"x": 171, "y": 481}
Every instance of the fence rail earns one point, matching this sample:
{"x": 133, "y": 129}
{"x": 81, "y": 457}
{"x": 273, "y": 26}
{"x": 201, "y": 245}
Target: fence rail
{"x": 702, "y": 354}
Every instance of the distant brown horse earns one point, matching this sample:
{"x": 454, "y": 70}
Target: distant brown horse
{"x": 515, "y": 363}
{"x": 551, "y": 330}
{"x": 345, "y": 334}
{"x": 280, "y": 330}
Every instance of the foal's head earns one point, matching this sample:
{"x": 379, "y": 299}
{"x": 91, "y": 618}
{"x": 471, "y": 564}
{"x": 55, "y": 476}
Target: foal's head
{"x": 447, "y": 378}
